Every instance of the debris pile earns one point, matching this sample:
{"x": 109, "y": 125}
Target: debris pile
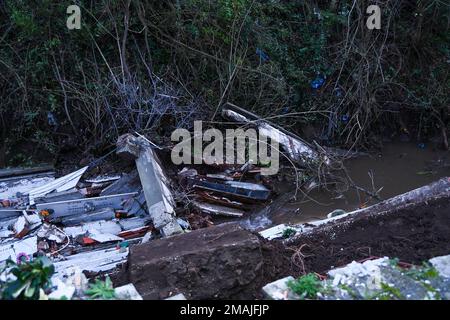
{"x": 236, "y": 190}
{"x": 89, "y": 222}
{"x": 77, "y": 221}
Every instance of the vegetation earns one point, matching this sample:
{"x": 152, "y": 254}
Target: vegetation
{"x": 32, "y": 279}
{"x": 307, "y": 286}
{"x": 151, "y": 66}
{"x": 288, "y": 232}
{"x": 101, "y": 290}
{"x": 424, "y": 272}
{"x": 388, "y": 292}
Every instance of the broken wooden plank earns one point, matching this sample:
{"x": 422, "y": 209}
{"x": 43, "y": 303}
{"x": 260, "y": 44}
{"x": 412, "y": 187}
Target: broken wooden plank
{"x": 93, "y": 261}
{"x": 9, "y": 189}
{"x": 64, "y": 183}
{"x": 52, "y": 233}
{"x": 81, "y": 206}
{"x": 111, "y": 227}
{"x": 104, "y": 178}
{"x": 114, "y": 227}
{"x": 245, "y": 190}
{"x": 136, "y": 206}
{"x": 10, "y": 213}
{"x": 104, "y": 237}
{"x": 297, "y": 149}
{"x": 219, "y": 176}
{"x": 133, "y": 223}
{"x": 22, "y": 171}
{"x": 71, "y": 194}
{"x": 135, "y": 233}
{"x": 273, "y": 232}
{"x": 102, "y": 214}
{"x": 127, "y": 183}
{"x": 26, "y": 223}
{"x": 209, "y": 197}
{"x": 217, "y": 209}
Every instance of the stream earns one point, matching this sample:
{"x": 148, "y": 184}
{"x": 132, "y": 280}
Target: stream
{"x": 398, "y": 168}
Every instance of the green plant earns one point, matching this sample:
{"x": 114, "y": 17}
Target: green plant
{"x": 353, "y": 293}
{"x": 424, "y": 272}
{"x": 289, "y": 232}
{"x": 32, "y": 278}
{"x": 101, "y": 290}
{"x": 307, "y": 286}
{"x": 387, "y": 293}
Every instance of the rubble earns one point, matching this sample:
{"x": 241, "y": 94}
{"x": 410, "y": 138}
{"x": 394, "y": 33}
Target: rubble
{"x": 442, "y": 264}
{"x": 93, "y": 261}
{"x": 278, "y": 290}
{"x": 127, "y": 292}
{"x": 11, "y": 249}
{"x": 83, "y": 224}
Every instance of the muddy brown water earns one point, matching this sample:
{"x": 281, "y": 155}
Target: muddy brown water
{"x": 398, "y": 168}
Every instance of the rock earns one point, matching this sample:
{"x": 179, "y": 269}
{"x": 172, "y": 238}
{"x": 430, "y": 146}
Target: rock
{"x": 219, "y": 262}
{"x": 63, "y": 291}
{"x": 442, "y": 265}
{"x": 179, "y": 296}
{"x": 278, "y": 290}
{"x": 127, "y": 292}
{"x": 335, "y": 213}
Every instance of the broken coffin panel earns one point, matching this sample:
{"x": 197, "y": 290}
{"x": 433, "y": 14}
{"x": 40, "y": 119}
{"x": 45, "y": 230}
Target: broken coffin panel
{"x": 82, "y": 206}
{"x": 64, "y": 183}
{"x": 246, "y": 190}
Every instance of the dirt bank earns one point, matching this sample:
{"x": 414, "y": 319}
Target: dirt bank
{"x": 412, "y": 234}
